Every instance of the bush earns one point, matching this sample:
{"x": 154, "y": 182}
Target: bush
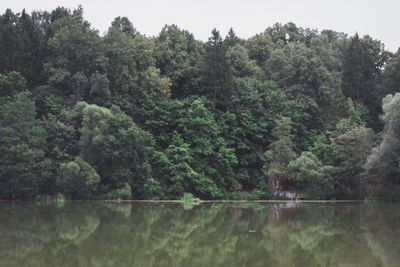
{"x": 124, "y": 192}
{"x": 188, "y": 197}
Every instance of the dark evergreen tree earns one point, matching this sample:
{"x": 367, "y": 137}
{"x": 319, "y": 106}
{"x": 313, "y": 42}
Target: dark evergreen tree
{"x": 29, "y": 57}
{"x": 22, "y": 143}
{"x": 217, "y": 75}
{"x": 12, "y": 83}
{"x": 231, "y": 39}
{"x": 21, "y": 46}
{"x": 8, "y": 41}
{"x": 362, "y": 75}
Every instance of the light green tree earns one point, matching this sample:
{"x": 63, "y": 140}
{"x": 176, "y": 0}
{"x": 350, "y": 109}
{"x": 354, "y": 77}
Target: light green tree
{"x": 182, "y": 177}
{"x": 213, "y": 159}
{"x": 260, "y": 48}
{"x": 120, "y": 151}
{"x": 240, "y": 62}
{"x": 312, "y": 176}
{"x": 383, "y": 165}
{"x": 78, "y": 180}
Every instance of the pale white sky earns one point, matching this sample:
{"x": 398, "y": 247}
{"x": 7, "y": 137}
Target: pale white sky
{"x": 378, "y": 18}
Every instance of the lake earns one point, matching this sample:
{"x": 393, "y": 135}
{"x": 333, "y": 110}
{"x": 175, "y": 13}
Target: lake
{"x": 209, "y": 234}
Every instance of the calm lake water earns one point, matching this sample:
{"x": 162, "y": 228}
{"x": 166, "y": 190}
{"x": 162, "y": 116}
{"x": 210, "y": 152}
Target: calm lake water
{"x": 211, "y": 234}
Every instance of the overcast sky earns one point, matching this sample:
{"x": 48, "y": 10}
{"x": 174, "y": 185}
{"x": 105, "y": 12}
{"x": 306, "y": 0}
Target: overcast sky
{"x": 378, "y": 18}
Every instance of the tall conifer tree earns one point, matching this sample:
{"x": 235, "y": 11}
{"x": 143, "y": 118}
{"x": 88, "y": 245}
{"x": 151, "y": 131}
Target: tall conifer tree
{"x": 217, "y": 75}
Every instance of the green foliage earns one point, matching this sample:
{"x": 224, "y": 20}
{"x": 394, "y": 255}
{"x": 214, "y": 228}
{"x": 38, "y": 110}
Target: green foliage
{"x": 119, "y": 50}
{"x": 279, "y": 152}
{"x": 124, "y": 25}
{"x": 12, "y": 83}
{"x": 231, "y": 38}
{"x": 256, "y": 107}
{"x": 391, "y": 74}
{"x": 187, "y": 197}
{"x": 323, "y": 149}
{"x": 125, "y": 192}
{"x": 131, "y": 65}
{"x": 323, "y": 144}
{"x": 23, "y": 167}
{"x": 181, "y": 175}
{"x": 78, "y": 180}
{"x": 330, "y": 46}
{"x": 152, "y": 189}
{"x": 177, "y": 57}
{"x": 383, "y": 168}
{"x": 22, "y": 45}
{"x": 170, "y": 114}
{"x": 346, "y": 147}
{"x": 362, "y": 74}
{"x": 212, "y": 158}
{"x": 60, "y": 198}
{"x": 311, "y": 175}
{"x": 62, "y": 146}
{"x": 160, "y": 117}
{"x": 71, "y": 64}
{"x": 47, "y": 102}
{"x": 240, "y": 62}
{"x": 216, "y": 73}
{"x": 301, "y": 74}
{"x": 351, "y": 150}
{"x": 119, "y": 150}
{"x": 260, "y": 48}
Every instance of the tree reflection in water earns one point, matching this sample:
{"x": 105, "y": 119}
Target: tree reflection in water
{"x": 218, "y": 234}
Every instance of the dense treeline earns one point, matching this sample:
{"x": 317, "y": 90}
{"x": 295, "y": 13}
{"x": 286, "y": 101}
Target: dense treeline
{"x": 129, "y": 116}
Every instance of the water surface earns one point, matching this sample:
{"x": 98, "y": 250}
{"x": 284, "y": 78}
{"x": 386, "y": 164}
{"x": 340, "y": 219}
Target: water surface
{"x": 210, "y": 234}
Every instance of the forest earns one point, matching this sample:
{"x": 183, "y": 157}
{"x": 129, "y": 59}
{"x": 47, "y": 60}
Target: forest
{"x": 126, "y": 116}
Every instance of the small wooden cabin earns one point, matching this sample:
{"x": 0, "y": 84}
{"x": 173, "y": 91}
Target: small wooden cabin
{"x": 283, "y": 187}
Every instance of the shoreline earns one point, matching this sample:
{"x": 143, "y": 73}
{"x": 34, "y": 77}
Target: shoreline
{"x": 202, "y": 201}
{"x": 238, "y": 201}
